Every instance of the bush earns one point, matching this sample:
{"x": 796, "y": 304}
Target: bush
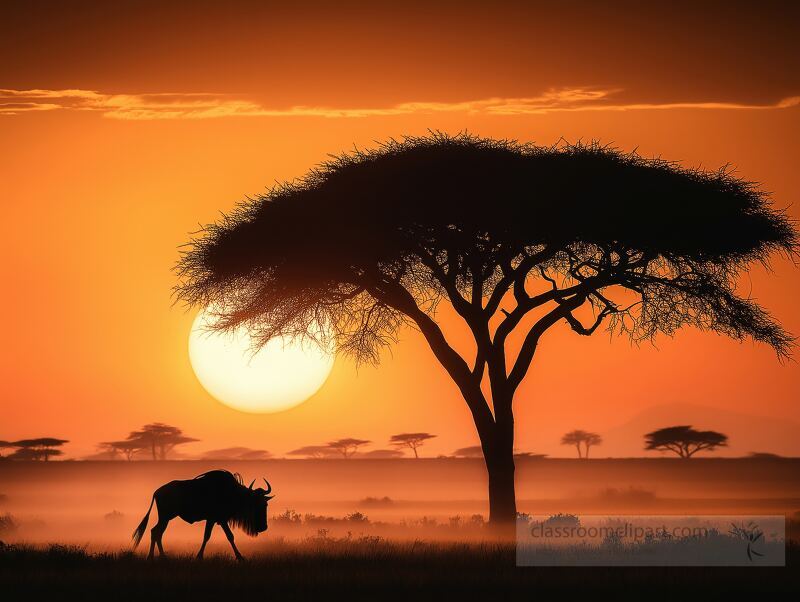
{"x": 562, "y": 520}
{"x": 377, "y": 501}
{"x": 7, "y": 524}
{"x": 288, "y": 517}
{"x": 357, "y": 517}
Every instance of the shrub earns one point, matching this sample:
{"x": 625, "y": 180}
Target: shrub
{"x": 7, "y": 524}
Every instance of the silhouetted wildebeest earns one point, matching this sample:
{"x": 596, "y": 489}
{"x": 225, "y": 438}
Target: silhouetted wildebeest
{"x": 217, "y": 497}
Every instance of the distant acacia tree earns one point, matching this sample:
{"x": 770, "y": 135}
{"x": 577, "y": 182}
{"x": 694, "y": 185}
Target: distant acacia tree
{"x": 575, "y": 235}
{"x": 347, "y": 447}
{"x": 411, "y": 440}
{"x": 42, "y": 448}
{"x": 575, "y": 438}
{"x": 26, "y": 454}
{"x": 684, "y": 440}
{"x": 159, "y": 438}
{"x": 312, "y": 451}
{"x": 127, "y": 447}
{"x": 579, "y": 437}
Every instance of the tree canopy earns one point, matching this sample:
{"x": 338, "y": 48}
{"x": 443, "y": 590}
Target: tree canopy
{"x": 347, "y": 446}
{"x": 157, "y": 438}
{"x": 41, "y": 448}
{"x": 29, "y": 453}
{"x": 127, "y": 447}
{"x": 312, "y": 451}
{"x": 586, "y": 438}
{"x": 436, "y": 215}
{"x": 412, "y": 441}
{"x": 684, "y": 440}
{"x": 160, "y": 438}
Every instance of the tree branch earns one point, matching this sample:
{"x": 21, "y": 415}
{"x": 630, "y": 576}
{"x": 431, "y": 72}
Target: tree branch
{"x": 394, "y": 295}
{"x": 576, "y": 325}
{"x": 514, "y": 317}
{"x": 510, "y": 275}
{"x": 528, "y": 349}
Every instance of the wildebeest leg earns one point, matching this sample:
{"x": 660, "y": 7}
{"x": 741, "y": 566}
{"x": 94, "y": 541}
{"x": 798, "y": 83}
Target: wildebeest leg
{"x": 206, "y": 537}
{"x": 155, "y": 536}
{"x": 229, "y": 535}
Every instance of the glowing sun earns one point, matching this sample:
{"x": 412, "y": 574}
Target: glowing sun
{"x": 281, "y": 375}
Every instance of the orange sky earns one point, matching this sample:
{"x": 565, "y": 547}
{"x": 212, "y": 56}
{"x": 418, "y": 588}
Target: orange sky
{"x": 121, "y": 130}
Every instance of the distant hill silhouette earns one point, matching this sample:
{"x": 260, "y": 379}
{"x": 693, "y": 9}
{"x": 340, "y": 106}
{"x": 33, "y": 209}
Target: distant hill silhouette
{"x": 747, "y": 432}
{"x": 236, "y": 453}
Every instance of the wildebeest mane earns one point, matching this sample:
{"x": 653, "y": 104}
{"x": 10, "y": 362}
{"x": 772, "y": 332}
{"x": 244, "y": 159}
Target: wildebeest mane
{"x": 250, "y": 513}
{"x": 249, "y": 517}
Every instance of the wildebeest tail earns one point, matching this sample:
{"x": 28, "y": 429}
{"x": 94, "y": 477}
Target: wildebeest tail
{"x": 137, "y": 535}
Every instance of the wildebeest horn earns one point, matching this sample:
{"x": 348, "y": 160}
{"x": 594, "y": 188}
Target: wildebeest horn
{"x": 269, "y": 487}
{"x": 251, "y": 484}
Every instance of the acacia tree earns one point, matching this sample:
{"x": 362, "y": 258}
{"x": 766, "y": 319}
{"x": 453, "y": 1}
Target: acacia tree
{"x": 684, "y": 440}
{"x": 411, "y": 440}
{"x": 26, "y": 453}
{"x": 42, "y": 448}
{"x": 517, "y": 238}
{"x": 127, "y": 447}
{"x": 159, "y": 438}
{"x": 586, "y": 438}
{"x": 347, "y": 447}
{"x": 312, "y": 451}
{"x": 575, "y": 438}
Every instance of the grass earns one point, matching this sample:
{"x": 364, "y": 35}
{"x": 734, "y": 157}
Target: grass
{"x": 373, "y": 569}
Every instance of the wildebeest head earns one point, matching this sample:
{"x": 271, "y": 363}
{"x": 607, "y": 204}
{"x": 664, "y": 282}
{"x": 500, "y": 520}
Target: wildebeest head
{"x": 252, "y": 517}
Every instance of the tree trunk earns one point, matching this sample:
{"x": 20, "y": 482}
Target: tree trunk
{"x": 498, "y": 454}
{"x": 502, "y": 495}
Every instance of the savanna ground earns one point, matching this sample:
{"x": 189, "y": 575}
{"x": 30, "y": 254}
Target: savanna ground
{"x": 366, "y": 571}
{"x": 372, "y": 529}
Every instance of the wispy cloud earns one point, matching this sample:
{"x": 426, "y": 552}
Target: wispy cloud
{"x": 210, "y": 106}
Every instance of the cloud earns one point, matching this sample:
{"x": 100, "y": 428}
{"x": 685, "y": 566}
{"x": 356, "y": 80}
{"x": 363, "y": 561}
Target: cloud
{"x": 13, "y": 108}
{"x": 210, "y": 106}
